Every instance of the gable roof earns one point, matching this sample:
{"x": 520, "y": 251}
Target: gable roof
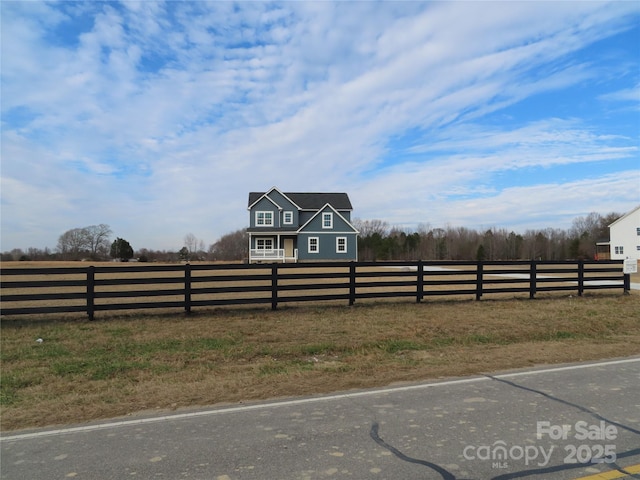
{"x": 320, "y": 210}
{"x": 624, "y": 216}
{"x": 310, "y": 201}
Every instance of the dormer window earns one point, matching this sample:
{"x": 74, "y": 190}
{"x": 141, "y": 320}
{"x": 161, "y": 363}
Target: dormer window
{"x": 264, "y": 219}
{"x": 287, "y": 218}
{"x": 327, "y": 220}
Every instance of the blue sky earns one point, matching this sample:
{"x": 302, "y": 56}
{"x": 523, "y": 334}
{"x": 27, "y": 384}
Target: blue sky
{"x": 158, "y": 118}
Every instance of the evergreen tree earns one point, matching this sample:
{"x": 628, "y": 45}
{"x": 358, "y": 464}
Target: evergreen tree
{"x": 121, "y": 249}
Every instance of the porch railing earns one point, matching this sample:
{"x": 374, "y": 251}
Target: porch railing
{"x": 272, "y": 255}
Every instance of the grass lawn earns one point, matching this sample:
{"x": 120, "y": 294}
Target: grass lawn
{"x": 122, "y": 364}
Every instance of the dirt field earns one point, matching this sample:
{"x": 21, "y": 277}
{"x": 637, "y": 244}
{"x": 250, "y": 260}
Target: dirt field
{"x": 124, "y": 364}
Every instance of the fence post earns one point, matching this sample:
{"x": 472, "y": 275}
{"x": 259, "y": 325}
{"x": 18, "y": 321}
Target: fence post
{"x": 533, "y": 279}
{"x": 187, "y": 288}
{"x": 274, "y": 286}
{"x": 626, "y": 284}
{"x": 420, "y": 282}
{"x": 580, "y": 277}
{"x": 352, "y": 283}
{"x": 479, "y": 275}
{"x": 91, "y": 287}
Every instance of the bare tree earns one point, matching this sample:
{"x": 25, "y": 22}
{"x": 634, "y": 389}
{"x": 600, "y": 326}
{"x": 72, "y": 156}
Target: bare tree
{"x": 369, "y": 227}
{"x": 92, "y": 241}
{"x": 440, "y": 243}
{"x": 72, "y": 244}
{"x": 230, "y": 247}
{"x": 586, "y": 231}
{"x": 191, "y": 242}
{"x": 194, "y": 246}
{"x": 585, "y": 227}
{"x": 98, "y": 240}
{"x": 603, "y": 232}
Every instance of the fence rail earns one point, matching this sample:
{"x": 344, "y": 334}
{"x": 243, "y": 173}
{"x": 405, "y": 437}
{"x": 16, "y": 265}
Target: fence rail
{"x": 126, "y": 287}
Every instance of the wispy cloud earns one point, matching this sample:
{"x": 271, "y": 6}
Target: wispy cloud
{"x": 159, "y": 117}
{"x": 629, "y": 96}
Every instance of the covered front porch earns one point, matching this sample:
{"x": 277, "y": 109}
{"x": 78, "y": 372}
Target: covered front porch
{"x": 276, "y": 248}
{"x": 603, "y": 251}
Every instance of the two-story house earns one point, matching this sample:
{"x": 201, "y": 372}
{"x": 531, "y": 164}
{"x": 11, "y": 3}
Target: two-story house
{"x": 625, "y": 236}
{"x": 291, "y": 227}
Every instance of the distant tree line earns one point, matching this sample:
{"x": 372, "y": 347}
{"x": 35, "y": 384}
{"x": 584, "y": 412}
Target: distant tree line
{"x": 377, "y": 242}
{"x": 94, "y": 243}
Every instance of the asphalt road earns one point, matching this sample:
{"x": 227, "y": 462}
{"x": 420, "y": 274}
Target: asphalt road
{"x": 548, "y": 423}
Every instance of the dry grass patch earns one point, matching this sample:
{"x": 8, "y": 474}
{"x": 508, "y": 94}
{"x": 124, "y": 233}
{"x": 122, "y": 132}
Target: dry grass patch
{"x": 129, "y": 363}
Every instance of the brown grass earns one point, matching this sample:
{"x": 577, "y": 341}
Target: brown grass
{"x": 123, "y": 364}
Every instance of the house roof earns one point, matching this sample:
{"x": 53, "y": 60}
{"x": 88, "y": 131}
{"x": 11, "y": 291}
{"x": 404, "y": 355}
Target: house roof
{"x": 625, "y": 216}
{"x": 325, "y": 207}
{"x": 311, "y": 201}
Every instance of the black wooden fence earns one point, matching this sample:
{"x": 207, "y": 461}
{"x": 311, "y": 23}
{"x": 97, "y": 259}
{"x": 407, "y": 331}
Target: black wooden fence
{"x": 123, "y": 287}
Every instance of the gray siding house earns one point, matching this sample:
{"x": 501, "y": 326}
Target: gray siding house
{"x": 291, "y": 227}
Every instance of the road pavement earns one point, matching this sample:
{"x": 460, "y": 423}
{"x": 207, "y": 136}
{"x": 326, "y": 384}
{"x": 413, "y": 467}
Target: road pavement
{"x": 561, "y": 422}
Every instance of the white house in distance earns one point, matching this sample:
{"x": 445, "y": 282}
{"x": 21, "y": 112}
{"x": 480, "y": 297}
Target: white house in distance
{"x": 624, "y": 236}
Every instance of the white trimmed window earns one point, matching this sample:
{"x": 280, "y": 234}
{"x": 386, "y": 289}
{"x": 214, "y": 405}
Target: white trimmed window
{"x": 341, "y": 245}
{"x": 327, "y": 220}
{"x": 264, "y": 219}
{"x": 287, "y": 218}
{"x": 314, "y": 245}
{"x": 264, "y": 243}
{"x": 619, "y": 250}
{"x": 638, "y": 231}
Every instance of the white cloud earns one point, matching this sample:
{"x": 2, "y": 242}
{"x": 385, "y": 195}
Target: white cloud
{"x": 537, "y": 206}
{"x": 549, "y": 205}
{"x": 158, "y": 118}
{"x": 630, "y": 95}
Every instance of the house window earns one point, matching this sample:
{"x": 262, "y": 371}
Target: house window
{"x": 314, "y": 245}
{"x": 619, "y": 250}
{"x": 327, "y": 220}
{"x": 264, "y": 219}
{"x": 288, "y": 218}
{"x": 638, "y": 231}
{"x": 264, "y": 243}
{"x": 341, "y": 245}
